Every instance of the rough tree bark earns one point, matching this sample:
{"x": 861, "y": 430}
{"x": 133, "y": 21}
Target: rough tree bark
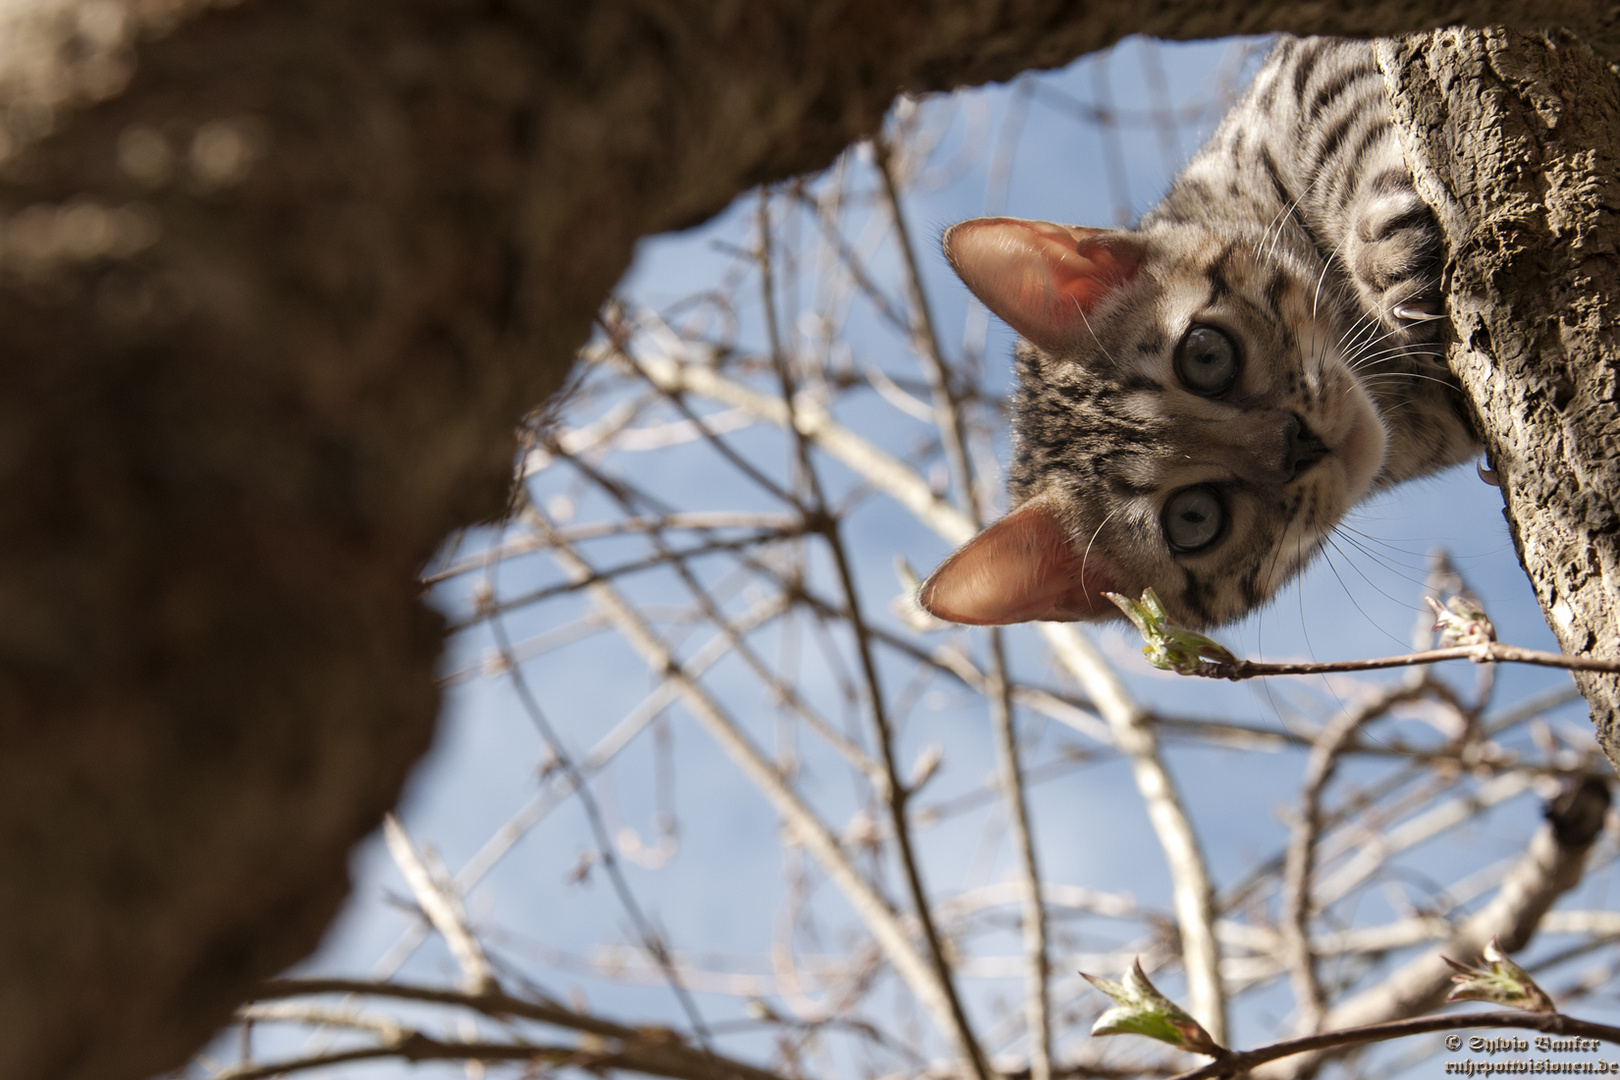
{"x": 276, "y": 281}
{"x": 1515, "y": 141}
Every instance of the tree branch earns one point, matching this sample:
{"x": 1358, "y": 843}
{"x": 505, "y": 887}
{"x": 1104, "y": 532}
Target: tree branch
{"x": 1345, "y": 1038}
{"x": 1550, "y": 867}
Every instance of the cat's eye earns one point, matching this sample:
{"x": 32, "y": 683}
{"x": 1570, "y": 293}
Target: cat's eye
{"x": 1193, "y": 518}
{"x": 1206, "y": 361}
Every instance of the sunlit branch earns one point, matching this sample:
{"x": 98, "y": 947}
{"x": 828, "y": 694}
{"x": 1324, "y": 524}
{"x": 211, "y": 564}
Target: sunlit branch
{"x": 925, "y": 341}
{"x": 851, "y": 263}
{"x": 1009, "y": 769}
{"x": 662, "y": 558}
{"x": 736, "y": 642}
{"x": 442, "y": 906}
{"x": 811, "y": 420}
{"x": 948, "y": 420}
{"x": 1301, "y": 859}
{"x": 921, "y": 976}
{"x": 1551, "y": 866}
{"x": 1551, "y": 1023}
{"x": 1374, "y": 846}
{"x": 1193, "y": 892}
{"x": 894, "y": 797}
{"x": 1483, "y": 653}
{"x": 650, "y": 941}
{"x": 650, "y": 1051}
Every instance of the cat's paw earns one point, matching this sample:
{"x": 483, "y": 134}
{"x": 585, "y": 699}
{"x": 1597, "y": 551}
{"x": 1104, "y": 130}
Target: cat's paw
{"x": 1395, "y": 254}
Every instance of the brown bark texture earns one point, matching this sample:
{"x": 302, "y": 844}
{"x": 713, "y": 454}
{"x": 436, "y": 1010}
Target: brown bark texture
{"x": 278, "y": 278}
{"x": 1515, "y": 141}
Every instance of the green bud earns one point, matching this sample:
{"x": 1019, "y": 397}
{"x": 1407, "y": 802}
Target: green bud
{"x": 1139, "y": 1009}
{"x": 1502, "y": 983}
{"x": 1169, "y": 647}
{"x": 1461, "y": 622}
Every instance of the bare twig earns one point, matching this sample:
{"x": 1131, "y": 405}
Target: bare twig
{"x": 656, "y": 1051}
{"x": 650, "y": 940}
{"x": 414, "y": 1047}
{"x": 1033, "y": 914}
{"x": 1551, "y": 1023}
{"x": 1551, "y": 866}
{"x": 442, "y": 906}
{"x": 894, "y": 797}
{"x": 1194, "y": 895}
{"x": 1488, "y": 652}
{"x": 1296, "y": 899}
{"x": 925, "y": 340}
{"x": 920, "y": 976}
{"x": 948, "y": 420}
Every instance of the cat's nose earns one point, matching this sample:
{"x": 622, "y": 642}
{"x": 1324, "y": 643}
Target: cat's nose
{"x": 1304, "y": 447}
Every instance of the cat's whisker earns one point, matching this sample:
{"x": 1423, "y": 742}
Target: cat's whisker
{"x": 1416, "y": 574}
{"x": 1287, "y": 213}
{"x": 1368, "y": 324}
{"x": 1402, "y": 350}
{"x": 1351, "y": 342}
{"x": 1096, "y": 533}
{"x": 1368, "y": 547}
{"x": 1090, "y": 330}
{"x": 1389, "y": 355}
{"x": 1327, "y": 264}
{"x": 1372, "y": 584}
{"x": 1413, "y": 375}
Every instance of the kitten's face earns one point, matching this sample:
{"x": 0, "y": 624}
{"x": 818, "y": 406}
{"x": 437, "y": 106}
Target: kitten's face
{"x": 1185, "y": 420}
{"x": 1204, "y": 434}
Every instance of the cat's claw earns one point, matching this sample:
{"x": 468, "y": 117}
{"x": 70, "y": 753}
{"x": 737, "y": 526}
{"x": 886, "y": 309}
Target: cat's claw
{"x": 1419, "y": 310}
{"x": 1488, "y": 474}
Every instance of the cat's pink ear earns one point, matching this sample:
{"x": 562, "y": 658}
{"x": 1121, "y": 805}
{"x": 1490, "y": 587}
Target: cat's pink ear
{"x": 1042, "y": 279}
{"x": 1021, "y": 569}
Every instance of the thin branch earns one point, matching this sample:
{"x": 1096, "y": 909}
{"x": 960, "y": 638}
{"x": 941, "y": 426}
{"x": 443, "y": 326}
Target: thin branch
{"x": 925, "y": 341}
{"x": 736, "y": 642}
{"x": 1550, "y": 867}
{"x": 416, "y": 1047}
{"x": 1033, "y": 915}
{"x": 442, "y": 906}
{"x": 635, "y": 566}
{"x": 1193, "y": 893}
{"x": 724, "y": 448}
{"x": 548, "y": 799}
{"x": 948, "y": 419}
{"x": 656, "y": 1051}
{"x": 1300, "y": 863}
{"x": 851, "y": 262}
{"x": 808, "y": 417}
{"x": 959, "y": 1026}
{"x": 299, "y": 1012}
{"x": 1374, "y": 843}
{"x": 492, "y": 1003}
{"x": 621, "y": 886}
{"x": 1484, "y": 653}
{"x": 886, "y": 927}
{"x": 1551, "y": 1023}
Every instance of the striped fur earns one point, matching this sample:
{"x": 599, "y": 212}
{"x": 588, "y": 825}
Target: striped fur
{"x": 1297, "y": 234}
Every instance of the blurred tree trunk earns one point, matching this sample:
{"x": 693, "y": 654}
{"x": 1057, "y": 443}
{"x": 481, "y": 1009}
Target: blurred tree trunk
{"x": 1515, "y": 141}
{"x": 277, "y": 279}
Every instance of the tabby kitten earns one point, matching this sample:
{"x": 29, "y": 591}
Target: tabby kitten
{"x": 1201, "y": 399}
